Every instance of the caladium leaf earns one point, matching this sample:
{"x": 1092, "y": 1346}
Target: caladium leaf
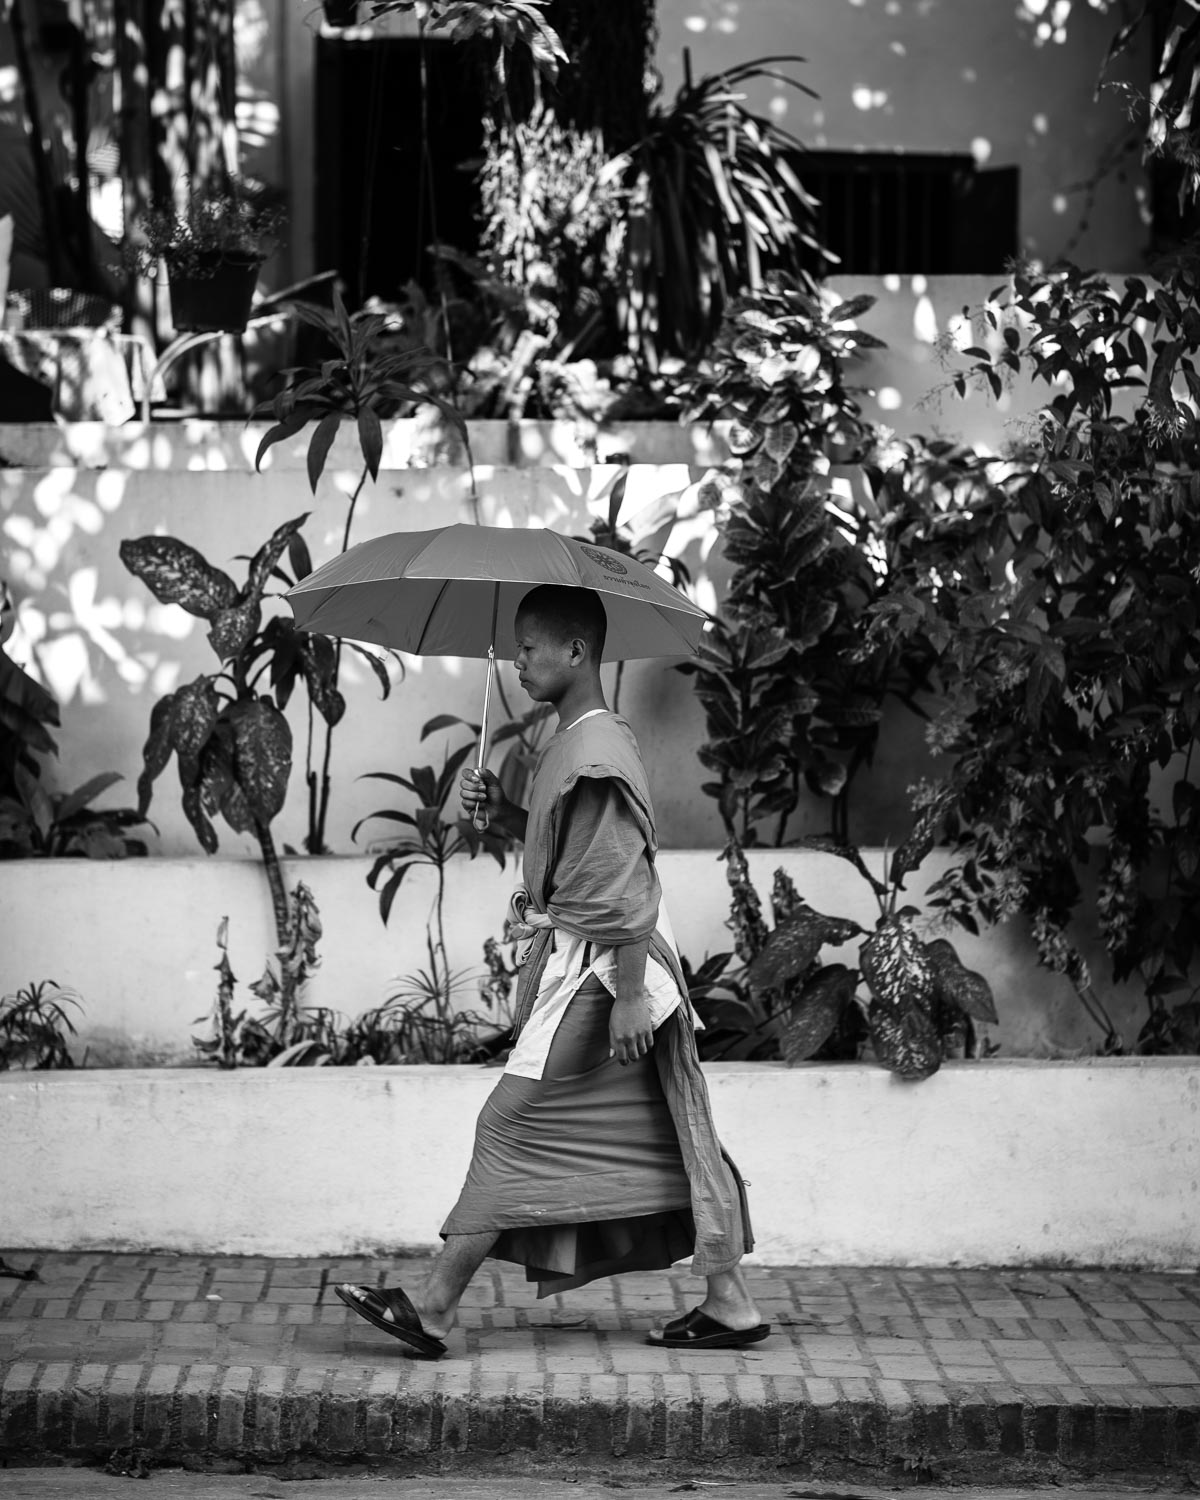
{"x": 794, "y": 944}
{"x": 897, "y": 969}
{"x": 906, "y": 1042}
{"x": 156, "y": 752}
{"x": 177, "y": 574}
{"x": 817, "y": 1011}
{"x": 262, "y": 757}
{"x": 318, "y": 659}
{"x": 193, "y": 808}
{"x": 268, "y": 555}
{"x": 957, "y": 985}
{"x": 233, "y": 629}
{"x": 193, "y": 716}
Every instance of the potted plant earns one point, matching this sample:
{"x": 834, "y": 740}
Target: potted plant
{"x": 212, "y": 244}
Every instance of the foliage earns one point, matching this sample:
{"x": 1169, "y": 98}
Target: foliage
{"x": 787, "y": 700}
{"x": 34, "y": 821}
{"x": 34, "y": 1024}
{"x": 549, "y": 238}
{"x": 233, "y": 221}
{"x": 27, "y": 714}
{"x": 424, "y": 1009}
{"x": 1064, "y": 638}
{"x": 920, "y": 1003}
{"x": 230, "y": 740}
{"x": 629, "y": 259}
{"x": 1171, "y": 104}
{"x": 370, "y": 379}
{"x": 500, "y": 26}
{"x": 711, "y": 202}
{"x": 38, "y": 823}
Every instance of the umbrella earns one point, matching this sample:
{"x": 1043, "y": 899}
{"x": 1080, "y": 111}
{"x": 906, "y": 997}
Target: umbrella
{"x": 443, "y": 592}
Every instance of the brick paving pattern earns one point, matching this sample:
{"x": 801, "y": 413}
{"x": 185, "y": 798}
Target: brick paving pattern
{"x": 979, "y": 1374}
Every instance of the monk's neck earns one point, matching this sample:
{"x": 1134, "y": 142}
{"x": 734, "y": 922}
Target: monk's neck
{"x": 584, "y": 699}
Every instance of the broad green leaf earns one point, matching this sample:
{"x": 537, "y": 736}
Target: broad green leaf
{"x": 177, "y": 574}
{"x": 817, "y": 1010}
{"x": 319, "y": 445}
{"x": 233, "y": 629}
{"x": 905, "y": 1042}
{"x": 897, "y": 969}
{"x": 957, "y": 985}
{"x": 156, "y": 752}
{"x": 793, "y": 945}
{"x": 262, "y": 755}
{"x": 193, "y": 716}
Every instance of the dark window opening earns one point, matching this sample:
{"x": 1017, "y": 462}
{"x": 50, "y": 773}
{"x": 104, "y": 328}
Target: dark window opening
{"x": 386, "y": 189}
{"x": 882, "y": 212}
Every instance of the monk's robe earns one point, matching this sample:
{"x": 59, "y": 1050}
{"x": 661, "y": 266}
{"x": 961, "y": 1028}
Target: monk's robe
{"x": 584, "y": 1167}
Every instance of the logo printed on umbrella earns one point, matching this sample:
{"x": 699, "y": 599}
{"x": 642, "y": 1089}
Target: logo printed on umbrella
{"x": 609, "y": 564}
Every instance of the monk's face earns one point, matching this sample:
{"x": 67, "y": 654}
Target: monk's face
{"x": 545, "y": 658}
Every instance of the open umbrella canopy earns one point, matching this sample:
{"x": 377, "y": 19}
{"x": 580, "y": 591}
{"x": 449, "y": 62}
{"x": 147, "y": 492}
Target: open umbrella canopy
{"x": 447, "y": 592}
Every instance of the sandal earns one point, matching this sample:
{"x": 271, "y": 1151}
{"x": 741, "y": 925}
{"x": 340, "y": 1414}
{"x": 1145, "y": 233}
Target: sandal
{"x": 696, "y": 1330}
{"x": 404, "y": 1324}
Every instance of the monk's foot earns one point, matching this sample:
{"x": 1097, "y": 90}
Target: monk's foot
{"x": 436, "y": 1322}
{"x": 738, "y": 1313}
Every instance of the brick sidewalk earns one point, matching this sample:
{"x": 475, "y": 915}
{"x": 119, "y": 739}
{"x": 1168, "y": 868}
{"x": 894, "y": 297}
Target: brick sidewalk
{"x": 919, "y": 1374}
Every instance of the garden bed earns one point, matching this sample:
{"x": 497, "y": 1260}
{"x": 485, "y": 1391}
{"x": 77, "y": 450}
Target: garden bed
{"x": 137, "y": 939}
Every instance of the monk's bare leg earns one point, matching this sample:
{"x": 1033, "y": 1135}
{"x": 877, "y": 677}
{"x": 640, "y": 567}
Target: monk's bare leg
{"x": 436, "y": 1299}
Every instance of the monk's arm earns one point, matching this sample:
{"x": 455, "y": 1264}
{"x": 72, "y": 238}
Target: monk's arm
{"x": 629, "y": 1026}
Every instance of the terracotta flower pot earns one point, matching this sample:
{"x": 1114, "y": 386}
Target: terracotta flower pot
{"x": 216, "y": 300}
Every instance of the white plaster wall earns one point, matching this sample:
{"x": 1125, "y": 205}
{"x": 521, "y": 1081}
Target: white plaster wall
{"x": 985, "y": 1163}
{"x": 107, "y": 651}
{"x": 945, "y": 75}
{"x": 138, "y": 940}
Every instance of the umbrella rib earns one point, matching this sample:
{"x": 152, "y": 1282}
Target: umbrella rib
{"x": 430, "y": 615}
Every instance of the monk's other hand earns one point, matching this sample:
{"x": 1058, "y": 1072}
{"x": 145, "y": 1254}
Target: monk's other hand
{"x": 629, "y": 1030}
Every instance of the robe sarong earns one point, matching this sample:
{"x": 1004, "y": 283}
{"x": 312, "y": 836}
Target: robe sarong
{"x": 585, "y": 1168}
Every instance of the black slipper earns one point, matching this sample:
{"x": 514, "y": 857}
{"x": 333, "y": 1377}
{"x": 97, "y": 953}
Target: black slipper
{"x": 696, "y": 1330}
{"x": 404, "y": 1324}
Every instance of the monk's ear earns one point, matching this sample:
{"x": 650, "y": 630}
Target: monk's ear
{"x": 579, "y": 650}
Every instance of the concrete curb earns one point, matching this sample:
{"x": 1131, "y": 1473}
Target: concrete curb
{"x": 204, "y": 1414}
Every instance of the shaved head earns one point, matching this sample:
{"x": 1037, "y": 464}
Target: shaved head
{"x": 569, "y": 614}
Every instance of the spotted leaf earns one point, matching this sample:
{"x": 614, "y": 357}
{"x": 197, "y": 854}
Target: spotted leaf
{"x": 956, "y": 985}
{"x": 817, "y": 1011}
{"x": 905, "y": 1042}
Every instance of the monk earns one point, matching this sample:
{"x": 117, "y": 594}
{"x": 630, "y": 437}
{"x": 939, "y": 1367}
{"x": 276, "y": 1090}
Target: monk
{"x": 595, "y": 1153}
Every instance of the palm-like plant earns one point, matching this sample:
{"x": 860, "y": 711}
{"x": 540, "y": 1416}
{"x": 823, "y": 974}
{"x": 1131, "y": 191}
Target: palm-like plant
{"x": 712, "y": 202}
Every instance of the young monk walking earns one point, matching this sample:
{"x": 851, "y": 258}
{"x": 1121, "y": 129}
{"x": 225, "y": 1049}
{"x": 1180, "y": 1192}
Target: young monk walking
{"x": 596, "y": 1152}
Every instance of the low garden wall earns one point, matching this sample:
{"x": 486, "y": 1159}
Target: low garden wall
{"x": 999, "y": 1163}
{"x": 137, "y": 938}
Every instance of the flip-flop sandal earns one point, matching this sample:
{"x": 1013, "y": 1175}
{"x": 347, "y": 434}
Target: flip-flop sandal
{"x": 696, "y": 1330}
{"x": 404, "y": 1324}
